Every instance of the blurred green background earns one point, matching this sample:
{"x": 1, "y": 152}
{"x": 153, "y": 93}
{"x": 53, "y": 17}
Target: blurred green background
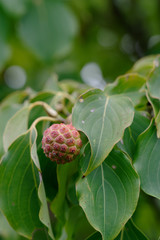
{"x": 74, "y": 39}
{"x": 84, "y": 40}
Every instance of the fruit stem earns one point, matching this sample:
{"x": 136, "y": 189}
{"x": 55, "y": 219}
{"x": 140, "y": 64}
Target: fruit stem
{"x": 50, "y": 111}
{"x": 42, "y": 119}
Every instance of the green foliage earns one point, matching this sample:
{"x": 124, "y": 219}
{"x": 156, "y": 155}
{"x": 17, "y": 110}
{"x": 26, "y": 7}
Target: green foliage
{"x": 7, "y": 110}
{"x": 42, "y": 36}
{"x": 95, "y": 196}
{"x": 20, "y": 187}
{"x": 146, "y": 161}
{"x": 99, "y": 116}
{"x": 46, "y": 18}
{"x": 130, "y": 231}
{"x": 48, "y": 49}
{"x": 109, "y": 194}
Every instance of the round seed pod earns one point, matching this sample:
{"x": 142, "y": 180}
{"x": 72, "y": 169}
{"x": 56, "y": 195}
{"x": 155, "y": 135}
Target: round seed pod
{"x": 61, "y": 143}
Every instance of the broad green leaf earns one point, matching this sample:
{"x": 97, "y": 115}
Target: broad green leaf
{"x": 15, "y": 97}
{"x": 146, "y": 161}
{"x": 21, "y": 183}
{"x": 44, "y": 213}
{"x": 70, "y": 86}
{"x": 36, "y": 112}
{"x": 103, "y": 119}
{"x": 40, "y": 234}
{"x": 16, "y": 126}
{"x": 109, "y": 194}
{"x": 139, "y": 124}
{"x": 49, "y": 174}
{"x": 6, "y": 112}
{"x": 145, "y": 216}
{"x": 59, "y": 204}
{"x": 19, "y": 180}
{"x": 44, "y": 96}
{"x": 131, "y": 232}
{"x": 48, "y": 168}
{"x": 71, "y": 190}
{"x": 33, "y": 138}
{"x": 8, "y": 107}
{"x": 55, "y": 29}
{"x": 23, "y": 120}
{"x": 129, "y": 85}
{"x": 95, "y": 236}
{"x": 85, "y": 157}
{"x": 153, "y": 82}
{"x": 144, "y": 65}
{"x": 77, "y": 226}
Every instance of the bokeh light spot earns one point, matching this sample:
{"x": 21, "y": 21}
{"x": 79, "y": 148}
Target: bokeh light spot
{"x": 15, "y": 77}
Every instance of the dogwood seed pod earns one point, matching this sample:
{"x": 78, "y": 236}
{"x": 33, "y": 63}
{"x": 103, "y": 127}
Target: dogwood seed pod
{"x": 61, "y": 143}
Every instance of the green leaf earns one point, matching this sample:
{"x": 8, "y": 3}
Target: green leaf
{"x": 6, "y": 112}
{"x": 144, "y": 66}
{"x": 153, "y": 82}
{"x": 23, "y": 120}
{"x": 71, "y": 86}
{"x": 64, "y": 173}
{"x": 21, "y": 183}
{"x": 35, "y": 113}
{"x": 146, "y": 216}
{"x": 8, "y": 107}
{"x": 15, "y": 98}
{"x": 55, "y": 29}
{"x": 84, "y": 157}
{"x": 131, "y": 232}
{"x": 40, "y": 234}
{"x": 71, "y": 190}
{"x": 146, "y": 161}
{"x": 44, "y": 96}
{"x": 139, "y": 124}
{"x": 16, "y": 126}
{"x": 129, "y": 85}
{"x": 44, "y": 212}
{"x": 19, "y": 180}
{"x": 77, "y": 226}
{"x": 95, "y": 236}
{"x": 103, "y": 119}
{"x": 109, "y": 194}
{"x": 49, "y": 174}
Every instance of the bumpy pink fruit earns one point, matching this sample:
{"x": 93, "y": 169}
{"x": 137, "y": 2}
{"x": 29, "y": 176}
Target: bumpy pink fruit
{"x": 61, "y": 143}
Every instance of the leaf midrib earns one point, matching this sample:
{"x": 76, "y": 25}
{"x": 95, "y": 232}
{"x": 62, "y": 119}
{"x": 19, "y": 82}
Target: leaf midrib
{"x": 103, "y": 120}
